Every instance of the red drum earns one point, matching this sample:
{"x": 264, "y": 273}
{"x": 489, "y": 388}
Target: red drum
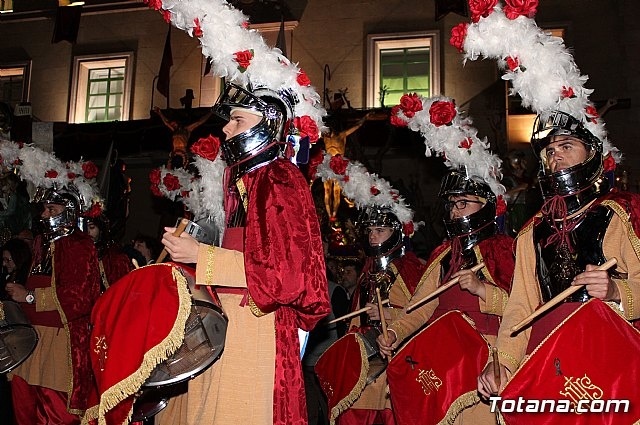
{"x": 18, "y": 338}
{"x": 346, "y": 367}
{"x": 433, "y": 377}
{"x": 585, "y": 370}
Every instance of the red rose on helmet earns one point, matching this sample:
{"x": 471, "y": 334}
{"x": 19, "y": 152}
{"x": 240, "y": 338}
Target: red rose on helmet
{"x": 395, "y": 119}
{"x": 94, "y": 211}
{"x": 481, "y": 8}
{"x": 166, "y": 15}
{"x": 51, "y": 174}
{"x": 458, "y": 35}
{"x": 207, "y": 147}
{"x": 90, "y": 170}
{"x": 408, "y": 228}
{"x": 345, "y": 179}
{"x": 244, "y": 59}
{"x": 154, "y": 4}
{"x": 307, "y": 127}
{"x": 171, "y": 182}
{"x": 71, "y": 175}
{"x": 155, "y": 190}
{"x": 410, "y": 104}
{"x": 197, "y": 30}
{"x": 609, "y": 163}
{"x": 154, "y": 176}
{"x": 374, "y": 190}
{"x": 515, "y": 8}
{"x": 501, "y": 206}
{"x": 466, "y": 143}
{"x": 442, "y": 113}
{"x": 184, "y": 193}
{"x": 303, "y": 79}
{"x": 338, "y": 164}
{"x": 592, "y": 113}
{"x": 567, "y": 92}
{"x": 512, "y": 63}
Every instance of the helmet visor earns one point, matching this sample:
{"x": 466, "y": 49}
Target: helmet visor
{"x": 235, "y": 97}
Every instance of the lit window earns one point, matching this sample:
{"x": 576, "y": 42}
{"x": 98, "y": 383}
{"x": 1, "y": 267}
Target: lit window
{"x": 14, "y": 83}
{"x": 402, "y": 63}
{"x": 102, "y": 87}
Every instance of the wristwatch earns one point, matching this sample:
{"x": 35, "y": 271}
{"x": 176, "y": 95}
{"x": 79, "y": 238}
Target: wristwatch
{"x": 31, "y": 297}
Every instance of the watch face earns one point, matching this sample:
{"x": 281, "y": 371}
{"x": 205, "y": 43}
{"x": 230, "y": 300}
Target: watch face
{"x": 30, "y": 298}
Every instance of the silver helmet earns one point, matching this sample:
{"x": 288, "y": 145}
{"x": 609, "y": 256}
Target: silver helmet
{"x": 64, "y": 223}
{"x": 262, "y": 143}
{"x": 475, "y": 225}
{"x": 393, "y": 247}
{"x": 578, "y": 184}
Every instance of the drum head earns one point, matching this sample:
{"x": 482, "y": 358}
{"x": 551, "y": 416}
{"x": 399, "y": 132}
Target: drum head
{"x": 17, "y": 342}
{"x": 148, "y": 405}
{"x": 204, "y": 337}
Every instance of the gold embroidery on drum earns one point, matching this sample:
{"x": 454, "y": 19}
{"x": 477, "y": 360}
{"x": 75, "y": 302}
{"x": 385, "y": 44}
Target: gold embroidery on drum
{"x": 101, "y": 350}
{"x": 580, "y": 389}
{"x": 429, "y": 381}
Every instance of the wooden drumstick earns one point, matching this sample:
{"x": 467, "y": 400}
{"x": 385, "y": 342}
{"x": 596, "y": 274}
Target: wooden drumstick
{"x": 383, "y": 321}
{"x": 179, "y": 229}
{"x": 496, "y": 367}
{"x": 354, "y": 313}
{"x": 135, "y": 263}
{"x": 558, "y": 299}
{"x": 441, "y": 289}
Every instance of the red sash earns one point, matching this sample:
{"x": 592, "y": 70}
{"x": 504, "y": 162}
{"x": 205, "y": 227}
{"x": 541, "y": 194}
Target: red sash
{"x": 433, "y": 377}
{"x": 591, "y": 355}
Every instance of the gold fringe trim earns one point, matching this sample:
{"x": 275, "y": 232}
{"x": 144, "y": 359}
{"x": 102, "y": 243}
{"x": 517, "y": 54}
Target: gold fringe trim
{"x": 465, "y": 401}
{"x": 399, "y": 281}
{"x": 131, "y": 384}
{"x": 351, "y": 398}
{"x": 103, "y": 275}
{"x": 255, "y": 310}
{"x": 1, "y": 311}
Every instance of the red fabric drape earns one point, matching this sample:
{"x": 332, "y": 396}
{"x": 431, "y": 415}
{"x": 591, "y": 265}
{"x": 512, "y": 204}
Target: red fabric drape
{"x": 285, "y": 273}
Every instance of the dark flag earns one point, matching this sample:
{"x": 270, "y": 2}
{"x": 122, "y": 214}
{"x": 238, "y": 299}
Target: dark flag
{"x": 67, "y": 24}
{"x": 281, "y": 43}
{"x": 444, "y": 7}
{"x": 164, "y": 74}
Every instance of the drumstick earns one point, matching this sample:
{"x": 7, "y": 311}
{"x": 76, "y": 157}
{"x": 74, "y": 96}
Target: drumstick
{"x": 135, "y": 263}
{"x": 354, "y": 313}
{"x": 179, "y": 229}
{"x": 383, "y": 321}
{"x": 441, "y": 289}
{"x": 558, "y": 299}
{"x": 496, "y": 367}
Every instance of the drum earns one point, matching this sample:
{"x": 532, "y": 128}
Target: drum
{"x": 347, "y": 367}
{"x": 433, "y": 377}
{"x": 585, "y": 372}
{"x": 18, "y": 338}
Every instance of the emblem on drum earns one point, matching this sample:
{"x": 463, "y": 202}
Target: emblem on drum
{"x": 580, "y": 389}
{"x": 101, "y": 350}
{"x": 429, "y": 381}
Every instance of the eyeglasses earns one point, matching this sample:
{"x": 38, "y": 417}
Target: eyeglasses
{"x": 460, "y": 204}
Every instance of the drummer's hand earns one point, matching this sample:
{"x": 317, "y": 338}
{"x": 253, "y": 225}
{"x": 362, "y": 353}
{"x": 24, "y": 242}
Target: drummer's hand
{"x": 598, "y": 283}
{"x": 374, "y": 312}
{"x": 183, "y": 248}
{"x": 17, "y": 292}
{"x": 469, "y": 282}
{"x": 487, "y": 383}
{"x": 386, "y": 344}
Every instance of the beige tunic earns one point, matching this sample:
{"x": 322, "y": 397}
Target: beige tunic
{"x": 620, "y": 241}
{"x": 238, "y": 388}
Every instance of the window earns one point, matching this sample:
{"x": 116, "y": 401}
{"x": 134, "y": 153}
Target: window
{"x": 402, "y": 63}
{"x": 14, "y": 83}
{"x": 102, "y": 87}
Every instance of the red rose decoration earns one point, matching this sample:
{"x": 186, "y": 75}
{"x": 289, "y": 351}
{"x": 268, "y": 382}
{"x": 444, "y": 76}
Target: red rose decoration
{"x": 592, "y": 113}
{"x": 345, "y": 179}
{"x": 184, "y": 193}
{"x": 154, "y": 176}
{"x": 395, "y": 119}
{"x": 155, "y": 190}
{"x": 171, "y": 182}
{"x": 207, "y": 147}
{"x": 501, "y": 206}
{"x": 442, "y": 113}
{"x": 244, "y": 59}
{"x": 307, "y": 127}
{"x": 166, "y": 15}
{"x": 609, "y": 163}
{"x": 515, "y": 8}
{"x": 338, "y": 164}
{"x": 94, "y": 211}
{"x": 154, "y": 4}
{"x": 51, "y": 174}
{"x": 197, "y": 30}
{"x": 466, "y": 143}
{"x": 481, "y": 8}
{"x": 374, "y": 190}
{"x": 90, "y": 170}
{"x": 512, "y": 63}
{"x": 303, "y": 79}
{"x": 71, "y": 175}
{"x": 458, "y": 35}
{"x": 410, "y": 104}
{"x": 245, "y": 25}
{"x": 408, "y": 228}
{"x": 567, "y": 92}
